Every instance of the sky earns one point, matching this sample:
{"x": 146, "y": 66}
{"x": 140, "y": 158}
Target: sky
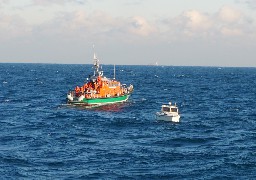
{"x": 129, "y": 32}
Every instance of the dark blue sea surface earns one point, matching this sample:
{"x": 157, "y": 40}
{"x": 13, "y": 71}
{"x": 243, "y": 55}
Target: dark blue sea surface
{"x": 43, "y": 138}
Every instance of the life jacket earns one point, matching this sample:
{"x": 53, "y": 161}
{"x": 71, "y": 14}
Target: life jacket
{"x": 77, "y": 89}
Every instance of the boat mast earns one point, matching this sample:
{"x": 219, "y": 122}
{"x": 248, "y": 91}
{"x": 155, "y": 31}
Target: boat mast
{"x": 96, "y": 65}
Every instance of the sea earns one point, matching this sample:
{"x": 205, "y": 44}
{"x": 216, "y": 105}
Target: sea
{"x": 41, "y": 137}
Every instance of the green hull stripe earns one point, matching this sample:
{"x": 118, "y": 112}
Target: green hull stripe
{"x": 102, "y": 100}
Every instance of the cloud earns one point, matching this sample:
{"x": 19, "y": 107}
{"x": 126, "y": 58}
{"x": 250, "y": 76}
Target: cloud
{"x": 98, "y": 25}
{"x": 56, "y": 2}
{"x": 233, "y": 22}
{"x": 133, "y": 2}
{"x": 226, "y": 31}
{"x": 4, "y": 2}
{"x": 192, "y": 22}
{"x": 140, "y": 26}
{"x": 196, "y": 20}
{"x": 66, "y": 34}
{"x": 226, "y": 22}
{"x": 229, "y": 15}
{"x": 84, "y": 24}
{"x": 13, "y": 26}
{"x": 251, "y": 3}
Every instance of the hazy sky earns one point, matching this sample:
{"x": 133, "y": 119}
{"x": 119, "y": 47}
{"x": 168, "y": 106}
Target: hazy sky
{"x": 171, "y": 32}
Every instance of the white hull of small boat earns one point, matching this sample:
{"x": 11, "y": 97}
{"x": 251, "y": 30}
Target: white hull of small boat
{"x": 166, "y": 117}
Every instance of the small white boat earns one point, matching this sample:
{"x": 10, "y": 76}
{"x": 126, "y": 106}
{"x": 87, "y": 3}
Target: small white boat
{"x": 168, "y": 112}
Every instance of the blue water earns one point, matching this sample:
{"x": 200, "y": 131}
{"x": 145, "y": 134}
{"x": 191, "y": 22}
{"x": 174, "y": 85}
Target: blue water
{"x": 43, "y": 138}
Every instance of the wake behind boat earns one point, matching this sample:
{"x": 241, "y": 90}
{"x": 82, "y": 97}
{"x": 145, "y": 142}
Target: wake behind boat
{"x": 168, "y": 112}
{"x": 99, "y": 90}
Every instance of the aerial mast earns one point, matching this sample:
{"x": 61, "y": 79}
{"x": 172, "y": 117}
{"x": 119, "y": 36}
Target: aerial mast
{"x": 96, "y": 65}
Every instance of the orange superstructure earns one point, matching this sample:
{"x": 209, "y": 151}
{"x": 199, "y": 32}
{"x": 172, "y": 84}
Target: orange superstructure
{"x": 101, "y": 88}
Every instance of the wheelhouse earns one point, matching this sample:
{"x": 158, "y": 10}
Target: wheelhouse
{"x": 167, "y": 108}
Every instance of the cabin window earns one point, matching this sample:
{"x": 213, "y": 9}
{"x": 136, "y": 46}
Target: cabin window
{"x": 174, "y": 110}
{"x": 167, "y": 109}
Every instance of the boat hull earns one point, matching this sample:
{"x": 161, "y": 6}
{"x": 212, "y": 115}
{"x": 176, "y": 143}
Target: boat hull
{"x": 171, "y": 118}
{"x": 100, "y": 101}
